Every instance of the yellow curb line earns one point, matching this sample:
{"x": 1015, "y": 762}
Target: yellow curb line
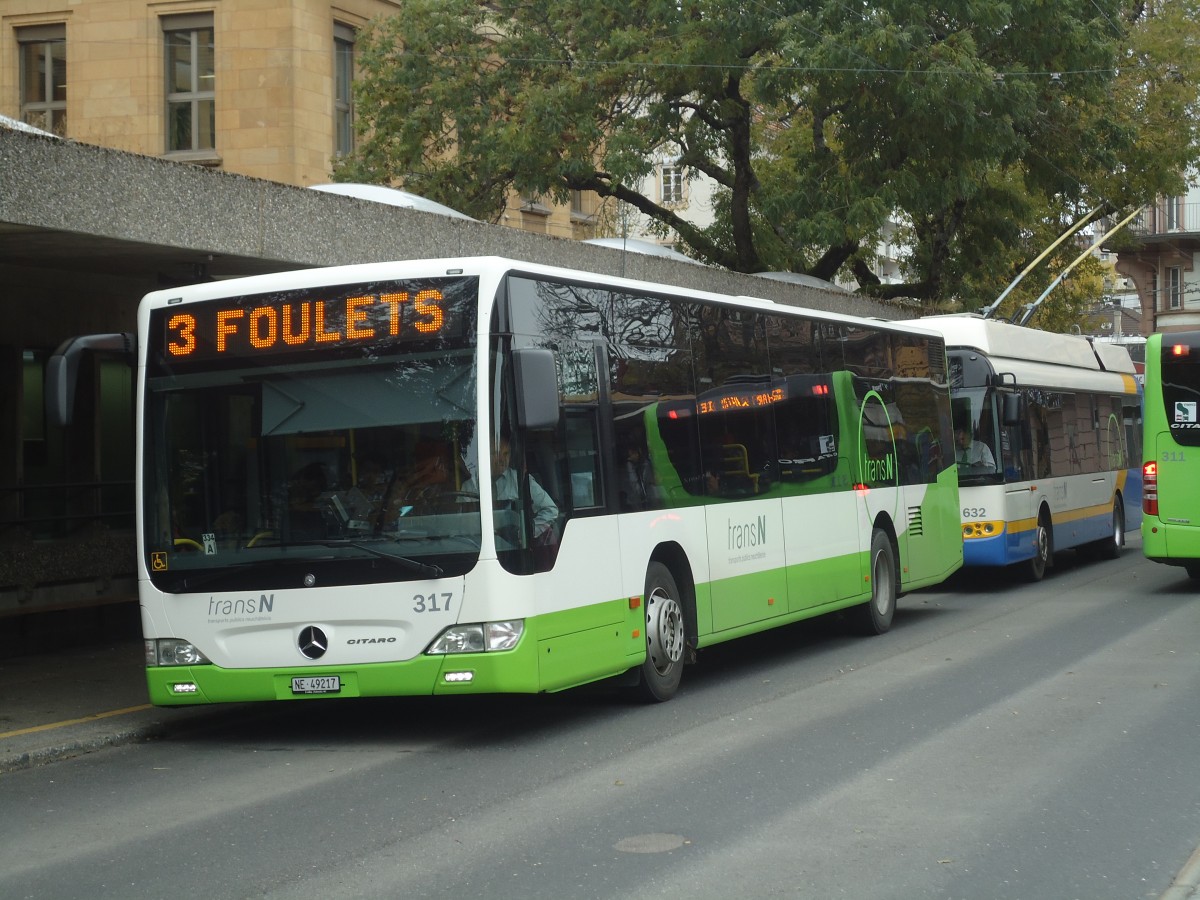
{"x": 91, "y": 718}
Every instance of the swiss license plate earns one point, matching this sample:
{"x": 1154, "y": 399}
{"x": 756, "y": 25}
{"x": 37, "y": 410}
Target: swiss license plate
{"x": 317, "y": 684}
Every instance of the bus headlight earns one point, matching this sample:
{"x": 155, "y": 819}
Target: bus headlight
{"x": 174, "y": 652}
{"x": 479, "y": 637}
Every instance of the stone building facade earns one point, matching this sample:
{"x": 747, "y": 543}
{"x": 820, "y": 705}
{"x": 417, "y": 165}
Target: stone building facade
{"x": 259, "y": 88}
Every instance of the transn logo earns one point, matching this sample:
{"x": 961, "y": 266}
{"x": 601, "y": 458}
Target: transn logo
{"x": 881, "y": 469}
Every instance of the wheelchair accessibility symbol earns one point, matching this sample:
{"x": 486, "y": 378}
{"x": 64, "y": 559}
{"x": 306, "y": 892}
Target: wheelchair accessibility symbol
{"x": 158, "y": 561}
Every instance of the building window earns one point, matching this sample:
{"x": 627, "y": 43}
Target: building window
{"x": 1175, "y": 287}
{"x": 672, "y": 184}
{"x": 582, "y": 204}
{"x": 191, "y": 84}
{"x": 43, "y": 52}
{"x": 343, "y": 77}
{"x": 1174, "y": 213}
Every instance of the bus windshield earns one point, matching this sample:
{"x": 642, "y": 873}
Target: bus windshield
{"x": 975, "y": 444}
{"x": 322, "y": 468}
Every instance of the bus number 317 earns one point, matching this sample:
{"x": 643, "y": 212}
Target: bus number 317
{"x": 431, "y": 602}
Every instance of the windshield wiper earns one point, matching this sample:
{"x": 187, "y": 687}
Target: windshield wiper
{"x": 198, "y": 579}
{"x": 195, "y": 580}
{"x": 414, "y": 565}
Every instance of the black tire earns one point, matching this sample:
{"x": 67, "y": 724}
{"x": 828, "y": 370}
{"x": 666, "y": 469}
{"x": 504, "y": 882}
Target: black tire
{"x": 666, "y": 636}
{"x": 1043, "y": 552}
{"x": 1111, "y": 546}
{"x": 875, "y": 616}
{"x": 1193, "y": 570}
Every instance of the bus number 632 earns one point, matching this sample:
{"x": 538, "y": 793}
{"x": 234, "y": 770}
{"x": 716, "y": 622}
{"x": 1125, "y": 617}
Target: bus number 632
{"x": 974, "y": 512}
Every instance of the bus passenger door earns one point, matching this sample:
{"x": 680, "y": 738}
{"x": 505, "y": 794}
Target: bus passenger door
{"x": 822, "y": 548}
{"x": 745, "y": 550}
{"x": 817, "y": 424}
{"x": 1025, "y": 456}
{"x": 877, "y": 482}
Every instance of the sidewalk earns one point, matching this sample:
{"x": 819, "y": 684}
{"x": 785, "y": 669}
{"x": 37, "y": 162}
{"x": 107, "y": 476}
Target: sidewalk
{"x": 55, "y": 705}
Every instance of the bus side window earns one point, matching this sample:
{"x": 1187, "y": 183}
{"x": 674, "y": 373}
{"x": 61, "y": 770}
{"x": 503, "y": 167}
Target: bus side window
{"x": 580, "y": 464}
{"x": 1042, "y": 453}
{"x": 637, "y": 483}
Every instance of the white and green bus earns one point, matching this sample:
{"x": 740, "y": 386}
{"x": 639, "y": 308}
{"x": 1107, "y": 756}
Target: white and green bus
{"x": 663, "y": 469}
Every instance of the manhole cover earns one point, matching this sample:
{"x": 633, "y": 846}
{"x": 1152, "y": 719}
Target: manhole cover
{"x": 650, "y": 843}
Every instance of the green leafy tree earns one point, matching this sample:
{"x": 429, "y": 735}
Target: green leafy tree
{"x": 978, "y": 126}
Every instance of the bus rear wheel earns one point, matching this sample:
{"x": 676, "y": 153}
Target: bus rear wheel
{"x": 1111, "y": 546}
{"x": 875, "y": 616}
{"x": 666, "y": 636}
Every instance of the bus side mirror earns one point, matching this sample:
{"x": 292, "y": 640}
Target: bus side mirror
{"x": 1013, "y": 409}
{"x": 537, "y": 388}
{"x": 62, "y": 370}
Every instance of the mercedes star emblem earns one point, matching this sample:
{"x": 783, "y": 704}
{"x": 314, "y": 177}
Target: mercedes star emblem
{"x": 313, "y": 642}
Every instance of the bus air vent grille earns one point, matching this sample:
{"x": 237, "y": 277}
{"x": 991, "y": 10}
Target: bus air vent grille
{"x": 916, "y": 521}
{"x": 937, "y": 357}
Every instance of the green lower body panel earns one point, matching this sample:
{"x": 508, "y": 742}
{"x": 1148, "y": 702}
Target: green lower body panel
{"x": 513, "y": 671}
{"x": 1169, "y": 543}
{"x": 557, "y": 651}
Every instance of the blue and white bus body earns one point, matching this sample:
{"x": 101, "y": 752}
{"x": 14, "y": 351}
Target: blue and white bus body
{"x": 1062, "y": 417}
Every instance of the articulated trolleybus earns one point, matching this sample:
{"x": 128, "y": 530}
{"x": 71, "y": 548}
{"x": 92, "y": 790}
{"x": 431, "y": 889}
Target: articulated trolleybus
{"x": 478, "y": 475}
{"x": 1171, "y": 523}
{"x": 1048, "y": 437}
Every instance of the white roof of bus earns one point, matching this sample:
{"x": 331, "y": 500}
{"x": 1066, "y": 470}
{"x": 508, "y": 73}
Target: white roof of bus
{"x": 484, "y": 266}
{"x": 635, "y": 245}
{"x": 377, "y": 193}
{"x": 18, "y": 125}
{"x": 1006, "y": 344}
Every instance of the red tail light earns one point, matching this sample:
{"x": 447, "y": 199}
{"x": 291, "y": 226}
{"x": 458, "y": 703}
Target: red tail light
{"x": 1150, "y": 488}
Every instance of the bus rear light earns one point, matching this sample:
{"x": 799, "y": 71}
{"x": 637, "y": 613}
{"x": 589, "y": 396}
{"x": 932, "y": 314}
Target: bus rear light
{"x": 1180, "y": 350}
{"x": 1150, "y": 488}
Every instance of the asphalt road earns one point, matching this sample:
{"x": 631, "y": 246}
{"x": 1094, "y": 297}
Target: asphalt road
{"x": 1002, "y": 741}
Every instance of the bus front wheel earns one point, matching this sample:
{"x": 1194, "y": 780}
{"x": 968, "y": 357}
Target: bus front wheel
{"x": 1035, "y": 569}
{"x": 665, "y": 636}
{"x": 875, "y": 616}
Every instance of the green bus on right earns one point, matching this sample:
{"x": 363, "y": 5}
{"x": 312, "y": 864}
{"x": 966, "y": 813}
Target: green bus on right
{"x": 1171, "y": 470}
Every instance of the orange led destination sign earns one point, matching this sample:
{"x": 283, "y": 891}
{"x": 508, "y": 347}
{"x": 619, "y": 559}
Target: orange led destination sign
{"x": 281, "y": 324}
{"x": 735, "y": 400}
